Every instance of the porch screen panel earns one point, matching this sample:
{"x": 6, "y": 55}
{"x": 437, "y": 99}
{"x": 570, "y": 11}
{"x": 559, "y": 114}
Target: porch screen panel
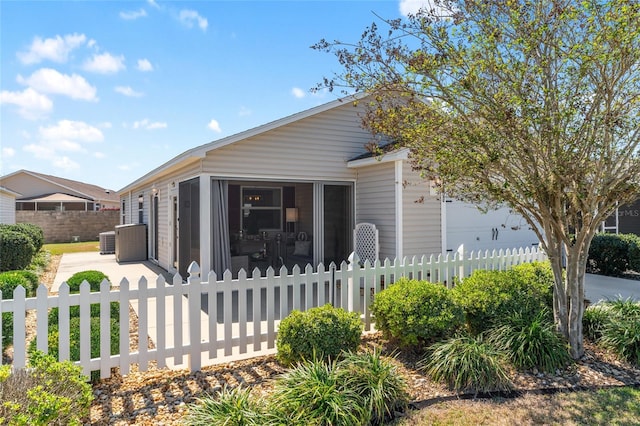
{"x": 221, "y": 245}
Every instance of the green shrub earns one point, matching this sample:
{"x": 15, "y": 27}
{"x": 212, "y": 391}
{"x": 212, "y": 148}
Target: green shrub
{"x": 532, "y": 342}
{"x": 230, "y": 407}
{"x": 633, "y": 251}
{"x": 416, "y": 312}
{"x": 621, "y": 331}
{"x": 467, "y": 364}
{"x": 94, "y": 312}
{"x": 608, "y": 254}
{"x": 313, "y": 394}
{"x": 48, "y": 393}
{"x": 377, "y": 382}
{"x": 40, "y": 261}
{"x": 94, "y": 278}
{"x": 322, "y": 332}
{"x": 74, "y": 340}
{"x": 16, "y": 248}
{"x": 9, "y": 281}
{"x": 593, "y": 321}
{"x": 34, "y": 232}
{"x": 489, "y": 296}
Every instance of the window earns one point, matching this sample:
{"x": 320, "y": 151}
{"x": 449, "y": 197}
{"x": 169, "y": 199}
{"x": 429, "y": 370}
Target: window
{"x": 261, "y": 209}
{"x": 140, "y": 208}
{"x": 124, "y": 212}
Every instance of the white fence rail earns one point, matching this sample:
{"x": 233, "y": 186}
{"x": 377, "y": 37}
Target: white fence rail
{"x": 207, "y": 321}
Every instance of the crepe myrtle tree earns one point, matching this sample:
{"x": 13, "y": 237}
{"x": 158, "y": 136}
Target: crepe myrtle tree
{"x": 532, "y": 104}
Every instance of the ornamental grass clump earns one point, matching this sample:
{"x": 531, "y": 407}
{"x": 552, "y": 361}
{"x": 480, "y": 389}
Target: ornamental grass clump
{"x": 531, "y": 343}
{"x": 229, "y": 407}
{"x": 314, "y": 394}
{"x": 322, "y": 333}
{"x": 467, "y": 363}
{"x": 377, "y": 381}
{"x": 414, "y": 312}
{"x": 621, "y": 331}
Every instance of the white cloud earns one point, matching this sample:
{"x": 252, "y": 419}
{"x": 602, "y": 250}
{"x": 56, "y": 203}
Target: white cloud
{"x": 105, "y": 125}
{"x": 133, "y": 14}
{"x": 128, "y": 91}
{"x": 105, "y": 63}
{"x": 412, "y": 7}
{"x": 31, "y": 104}
{"x": 153, "y": 3}
{"x": 190, "y": 17}
{"x": 215, "y": 126}
{"x": 71, "y": 130}
{"x": 8, "y": 152}
{"x": 144, "y": 65}
{"x": 48, "y": 80}
{"x": 64, "y": 137}
{"x": 54, "y": 49}
{"x": 148, "y": 125}
{"x": 298, "y": 93}
{"x": 65, "y": 163}
{"x": 99, "y": 154}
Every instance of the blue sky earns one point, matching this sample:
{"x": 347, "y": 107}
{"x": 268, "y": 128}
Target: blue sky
{"x": 105, "y": 91}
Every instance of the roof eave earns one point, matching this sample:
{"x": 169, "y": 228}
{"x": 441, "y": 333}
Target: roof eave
{"x": 400, "y": 154}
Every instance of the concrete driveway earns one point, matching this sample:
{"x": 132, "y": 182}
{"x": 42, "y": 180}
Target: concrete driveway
{"x": 600, "y": 287}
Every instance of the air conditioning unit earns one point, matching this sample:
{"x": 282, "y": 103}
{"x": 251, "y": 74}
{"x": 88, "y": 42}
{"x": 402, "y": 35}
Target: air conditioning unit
{"x": 131, "y": 242}
{"x": 107, "y": 242}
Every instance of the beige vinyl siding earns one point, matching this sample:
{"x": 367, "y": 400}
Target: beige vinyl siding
{"x": 375, "y": 203}
{"x": 314, "y": 148}
{"x": 29, "y": 186}
{"x": 164, "y": 186}
{"x": 7, "y": 208}
{"x": 421, "y": 216}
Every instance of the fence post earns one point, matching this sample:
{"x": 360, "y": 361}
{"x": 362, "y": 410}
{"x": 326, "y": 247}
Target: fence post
{"x": 195, "y": 356}
{"x": 353, "y": 302}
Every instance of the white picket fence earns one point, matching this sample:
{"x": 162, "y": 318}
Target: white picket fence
{"x": 208, "y": 321}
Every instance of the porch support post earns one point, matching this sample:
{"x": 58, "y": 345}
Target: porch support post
{"x": 206, "y": 227}
{"x": 318, "y": 223}
{"x": 399, "y": 210}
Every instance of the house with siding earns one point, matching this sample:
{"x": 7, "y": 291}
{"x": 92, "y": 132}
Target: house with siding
{"x": 291, "y": 192}
{"x": 8, "y": 205}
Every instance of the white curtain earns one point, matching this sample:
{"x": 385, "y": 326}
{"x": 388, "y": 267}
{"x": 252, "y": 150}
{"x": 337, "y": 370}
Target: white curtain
{"x": 221, "y": 244}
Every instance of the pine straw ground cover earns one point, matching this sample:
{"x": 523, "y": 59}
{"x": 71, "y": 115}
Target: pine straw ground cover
{"x": 161, "y": 397}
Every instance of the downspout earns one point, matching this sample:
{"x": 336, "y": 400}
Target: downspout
{"x": 399, "y": 210}
{"x": 443, "y": 223}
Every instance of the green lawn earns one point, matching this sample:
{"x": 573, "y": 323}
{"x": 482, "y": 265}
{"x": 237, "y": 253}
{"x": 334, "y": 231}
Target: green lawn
{"x": 62, "y": 248}
{"x": 619, "y": 406}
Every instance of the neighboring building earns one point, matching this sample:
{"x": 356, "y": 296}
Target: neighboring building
{"x": 291, "y": 191}
{"x": 625, "y": 220}
{"x": 65, "y": 209}
{"x": 51, "y": 193}
{"x": 8, "y": 205}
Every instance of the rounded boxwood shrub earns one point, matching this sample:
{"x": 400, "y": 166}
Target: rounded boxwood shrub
{"x": 319, "y": 333}
{"x": 487, "y": 297}
{"x": 17, "y": 249}
{"x": 9, "y": 281}
{"x": 416, "y": 312}
{"x": 94, "y": 278}
{"x": 633, "y": 251}
{"x": 34, "y": 232}
{"x": 608, "y": 254}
